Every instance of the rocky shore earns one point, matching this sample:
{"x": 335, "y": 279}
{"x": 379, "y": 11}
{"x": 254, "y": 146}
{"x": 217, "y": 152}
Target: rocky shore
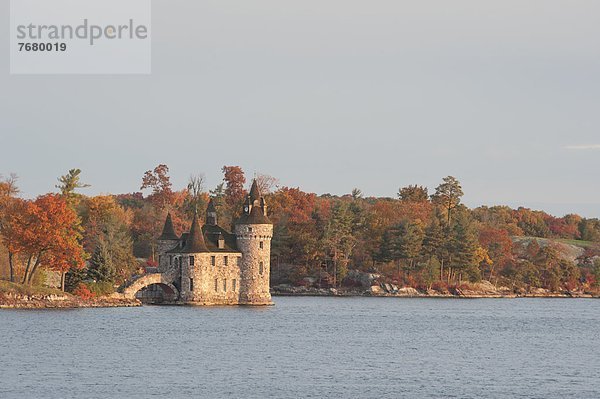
{"x": 480, "y": 290}
{"x": 60, "y": 301}
{"x": 12, "y": 300}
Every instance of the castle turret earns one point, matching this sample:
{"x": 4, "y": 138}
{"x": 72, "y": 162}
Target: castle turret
{"x": 254, "y": 192}
{"x": 253, "y": 232}
{"x": 167, "y": 241}
{"x": 195, "y": 242}
{"x": 211, "y": 214}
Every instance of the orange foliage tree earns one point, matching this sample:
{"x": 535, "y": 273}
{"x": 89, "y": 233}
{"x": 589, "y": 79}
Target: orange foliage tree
{"x": 234, "y": 185}
{"x": 47, "y": 233}
{"x": 159, "y": 181}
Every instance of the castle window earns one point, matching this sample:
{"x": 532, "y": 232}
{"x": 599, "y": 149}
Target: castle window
{"x": 225, "y": 285}
{"x": 261, "y": 268}
{"x": 226, "y": 260}
{"x": 191, "y": 284}
{"x": 170, "y": 260}
{"x": 249, "y": 229}
{"x": 234, "y": 285}
{"x": 261, "y": 245}
{"x": 191, "y": 261}
{"x": 213, "y": 260}
{"x": 216, "y": 284}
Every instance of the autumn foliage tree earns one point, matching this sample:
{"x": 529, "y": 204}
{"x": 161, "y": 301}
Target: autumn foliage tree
{"x": 45, "y": 232}
{"x": 159, "y": 182}
{"x": 108, "y": 239}
{"x": 8, "y": 201}
{"x": 499, "y": 247}
{"x": 234, "y": 179}
{"x": 421, "y": 240}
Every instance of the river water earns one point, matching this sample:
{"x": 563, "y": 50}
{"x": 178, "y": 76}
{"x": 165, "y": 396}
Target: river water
{"x": 307, "y": 348}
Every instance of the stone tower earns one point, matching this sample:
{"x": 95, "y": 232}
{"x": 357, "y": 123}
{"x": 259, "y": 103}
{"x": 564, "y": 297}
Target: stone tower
{"x": 167, "y": 241}
{"x": 253, "y": 231}
{"x": 211, "y": 214}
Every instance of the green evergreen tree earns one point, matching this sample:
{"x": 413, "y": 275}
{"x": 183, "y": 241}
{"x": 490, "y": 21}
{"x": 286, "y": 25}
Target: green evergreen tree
{"x": 435, "y": 240}
{"x": 413, "y": 193}
{"x": 101, "y": 269}
{"x": 448, "y": 195}
{"x": 409, "y": 242}
{"x": 69, "y": 183}
{"x": 339, "y": 239}
{"x": 73, "y": 277}
{"x": 463, "y": 247}
{"x": 112, "y": 260}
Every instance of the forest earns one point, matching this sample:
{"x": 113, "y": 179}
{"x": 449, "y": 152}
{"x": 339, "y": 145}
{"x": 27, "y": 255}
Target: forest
{"x": 423, "y": 238}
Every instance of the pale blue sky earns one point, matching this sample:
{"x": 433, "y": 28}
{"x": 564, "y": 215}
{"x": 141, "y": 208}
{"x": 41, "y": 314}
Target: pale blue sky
{"x": 329, "y": 95}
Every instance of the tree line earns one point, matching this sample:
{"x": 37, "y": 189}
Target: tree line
{"x": 420, "y": 238}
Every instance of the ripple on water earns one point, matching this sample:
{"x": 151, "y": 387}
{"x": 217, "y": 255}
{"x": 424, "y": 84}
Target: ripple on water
{"x": 309, "y": 348}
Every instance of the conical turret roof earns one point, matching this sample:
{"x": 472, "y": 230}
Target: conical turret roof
{"x": 256, "y": 216}
{"x": 195, "y": 241}
{"x": 254, "y": 191}
{"x": 168, "y": 232}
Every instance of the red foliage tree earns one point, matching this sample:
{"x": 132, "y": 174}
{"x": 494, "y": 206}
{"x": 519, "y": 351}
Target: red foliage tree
{"x": 234, "y": 185}
{"x": 83, "y": 292}
{"x": 159, "y": 181}
{"x": 499, "y": 246}
{"x": 47, "y": 233}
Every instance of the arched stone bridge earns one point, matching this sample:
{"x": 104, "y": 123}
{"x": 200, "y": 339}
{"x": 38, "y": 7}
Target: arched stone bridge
{"x": 162, "y": 279}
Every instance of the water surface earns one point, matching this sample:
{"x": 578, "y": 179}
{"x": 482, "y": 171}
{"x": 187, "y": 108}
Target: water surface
{"x": 307, "y": 348}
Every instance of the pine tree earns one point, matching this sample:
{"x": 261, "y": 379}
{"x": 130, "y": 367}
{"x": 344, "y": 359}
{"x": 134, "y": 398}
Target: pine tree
{"x": 409, "y": 243}
{"x": 448, "y": 195}
{"x": 73, "y": 277}
{"x": 101, "y": 268}
{"x": 435, "y": 241}
{"x": 464, "y": 246}
{"x": 69, "y": 183}
{"x": 339, "y": 239}
{"x": 112, "y": 257}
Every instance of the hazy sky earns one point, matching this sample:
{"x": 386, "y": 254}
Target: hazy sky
{"x": 329, "y": 95}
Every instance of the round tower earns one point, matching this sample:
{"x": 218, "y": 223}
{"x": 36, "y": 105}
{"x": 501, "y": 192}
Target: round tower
{"x": 254, "y": 231}
{"x": 166, "y": 242}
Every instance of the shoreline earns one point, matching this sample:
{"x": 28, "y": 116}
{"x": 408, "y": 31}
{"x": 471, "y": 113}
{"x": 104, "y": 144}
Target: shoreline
{"x": 441, "y": 296}
{"x": 66, "y": 301}
{"x": 413, "y": 293}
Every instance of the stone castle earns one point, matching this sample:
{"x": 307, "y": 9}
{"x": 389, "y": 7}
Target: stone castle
{"x": 212, "y": 266}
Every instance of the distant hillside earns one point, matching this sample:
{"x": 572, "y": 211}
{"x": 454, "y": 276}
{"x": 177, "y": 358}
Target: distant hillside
{"x": 569, "y": 249}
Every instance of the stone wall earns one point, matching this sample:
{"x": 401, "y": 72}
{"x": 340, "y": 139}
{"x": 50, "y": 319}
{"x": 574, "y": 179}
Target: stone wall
{"x": 163, "y": 246}
{"x": 217, "y": 284}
